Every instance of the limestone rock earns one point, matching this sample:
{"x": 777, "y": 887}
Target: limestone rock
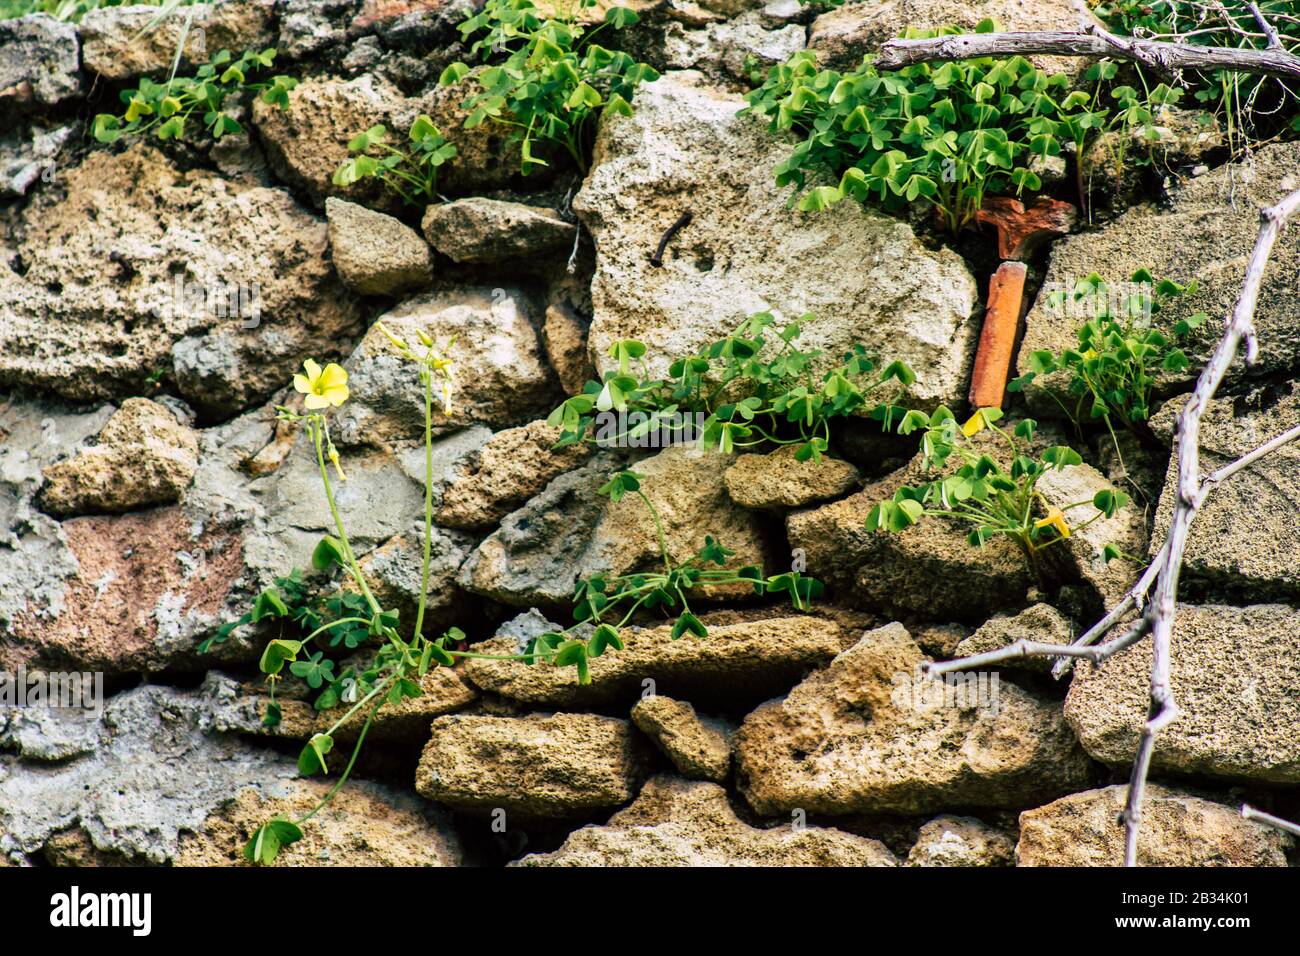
{"x": 870, "y": 735}
{"x": 550, "y": 767}
{"x": 308, "y": 141}
{"x": 1234, "y": 672}
{"x": 123, "y": 42}
{"x": 38, "y": 63}
{"x": 961, "y": 841}
{"x": 777, "y": 480}
{"x": 482, "y": 230}
{"x": 750, "y": 660}
{"x": 150, "y": 288}
{"x": 1040, "y": 623}
{"x": 501, "y": 374}
{"x": 512, "y": 467}
{"x": 27, "y": 155}
{"x": 844, "y": 35}
{"x": 564, "y": 335}
{"x": 376, "y": 254}
{"x": 1200, "y": 234}
{"x": 732, "y": 49}
{"x": 1084, "y": 551}
{"x": 1178, "y": 829}
{"x": 744, "y": 251}
{"x": 364, "y": 825}
{"x": 928, "y": 570}
{"x": 699, "y": 747}
{"x": 143, "y": 457}
{"x": 678, "y": 823}
{"x": 1243, "y": 541}
{"x": 569, "y": 531}
{"x": 156, "y": 770}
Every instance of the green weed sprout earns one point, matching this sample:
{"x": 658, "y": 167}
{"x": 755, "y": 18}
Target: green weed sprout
{"x": 983, "y": 495}
{"x": 553, "y": 81}
{"x": 412, "y": 174}
{"x": 167, "y": 108}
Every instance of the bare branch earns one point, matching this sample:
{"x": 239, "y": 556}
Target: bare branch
{"x": 1277, "y": 823}
{"x": 1192, "y": 489}
{"x": 1094, "y": 42}
{"x": 1274, "y": 41}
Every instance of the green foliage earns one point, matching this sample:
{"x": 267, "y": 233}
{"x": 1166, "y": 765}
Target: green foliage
{"x": 548, "y": 79}
{"x": 1121, "y": 349}
{"x": 752, "y": 387}
{"x": 167, "y": 108}
{"x": 1250, "y": 108}
{"x": 412, "y": 173}
{"x": 944, "y": 133}
{"x": 605, "y": 604}
{"x": 981, "y": 493}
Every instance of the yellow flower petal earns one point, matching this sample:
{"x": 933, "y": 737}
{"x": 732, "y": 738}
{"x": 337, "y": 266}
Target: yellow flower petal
{"x": 335, "y": 395}
{"x": 333, "y": 376}
{"x": 974, "y": 425}
{"x": 302, "y": 384}
{"x": 313, "y": 370}
{"x": 315, "y": 401}
{"x": 1055, "y": 519}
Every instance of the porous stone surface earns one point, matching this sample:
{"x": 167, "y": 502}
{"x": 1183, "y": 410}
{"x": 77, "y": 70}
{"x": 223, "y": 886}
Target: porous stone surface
{"x": 699, "y": 747}
{"x": 961, "y": 841}
{"x": 928, "y": 570}
{"x": 483, "y": 230}
{"x": 39, "y": 63}
{"x": 143, "y": 456}
{"x": 570, "y": 531}
{"x": 750, "y": 659}
{"x": 1178, "y": 829}
{"x": 1040, "y": 623}
{"x": 308, "y": 141}
{"x": 1205, "y": 232}
{"x": 541, "y": 766}
{"x": 868, "y": 734}
{"x": 502, "y": 378}
{"x": 679, "y": 823}
{"x": 514, "y": 465}
{"x": 686, "y": 149}
{"x": 374, "y": 253}
{"x": 122, "y": 42}
{"x": 732, "y": 50}
{"x": 28, "y": 156}
{"x": 364, "y": 825}
{"x": 150, "y": 746}
{"x": 158, "y": 230}
{"x": 564, "y": 335}
{"x": 1243, "y": 542}
{"x": 1233, "y": 673}
{"x": 778, "y": 480}
{"x": 842, "y": 36}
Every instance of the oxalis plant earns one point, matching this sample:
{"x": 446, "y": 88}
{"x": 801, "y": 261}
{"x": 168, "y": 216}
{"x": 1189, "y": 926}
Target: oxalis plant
{"x": 946, "y": 134}
{"x": 752, "y": 387}
{"x": 412, "y": 173}
{"x": 985, "y": 496}
{"x": 168, "y": 109}
{"x": 1121, "y": 350}
{"x": 548, "y": 81}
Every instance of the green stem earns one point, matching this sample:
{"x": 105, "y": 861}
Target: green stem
{"x": 428, "y": 499}
{"x": 318, "y": 436}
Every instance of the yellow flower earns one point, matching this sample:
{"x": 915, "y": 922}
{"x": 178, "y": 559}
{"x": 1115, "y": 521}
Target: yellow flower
{"x": 323, "y": 387}
{"x": 1055, "y": 519}
{"x": 446, "y": 396}
{"x": 397, "y": 342}
{"x": 974, "y": 425}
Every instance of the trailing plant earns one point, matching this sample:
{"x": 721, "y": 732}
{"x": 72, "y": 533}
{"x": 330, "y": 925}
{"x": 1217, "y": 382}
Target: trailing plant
{"x": 1120, "y": 353}
{"x": 166, "y": 108}
{"x": 604, "y": 604}
{"x": 411, "y": 173}
{"x": 738, "y": 392}
{"x": 982, "y": 494}
{"x": 1249, "y": 108}
{"x": 947, "y": 134}
{"x": 549, "y": 80}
